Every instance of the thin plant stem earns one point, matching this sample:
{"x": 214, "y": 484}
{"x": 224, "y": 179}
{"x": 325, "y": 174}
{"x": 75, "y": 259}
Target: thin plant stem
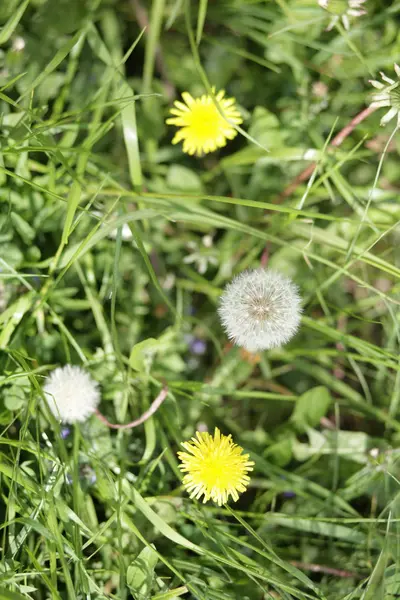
{"x": 335, "y": 143}
{"x": 324, "y": 569}
{"x": 378, "y": 172}
{"x": 155, "y": 405}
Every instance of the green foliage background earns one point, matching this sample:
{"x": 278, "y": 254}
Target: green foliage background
{"x": 110, "y": 236}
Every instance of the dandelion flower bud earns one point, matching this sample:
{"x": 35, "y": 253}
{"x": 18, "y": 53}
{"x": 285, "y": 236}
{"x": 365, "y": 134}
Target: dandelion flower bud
{"x": 72, "y": 395}
{"x": 260, "y": 309}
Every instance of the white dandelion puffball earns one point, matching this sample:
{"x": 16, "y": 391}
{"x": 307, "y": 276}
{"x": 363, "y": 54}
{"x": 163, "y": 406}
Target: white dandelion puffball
{"x": 72, "y": 395}
{"x": 260, "y": 309}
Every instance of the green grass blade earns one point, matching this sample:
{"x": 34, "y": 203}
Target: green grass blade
{"x": 8, "y": 29}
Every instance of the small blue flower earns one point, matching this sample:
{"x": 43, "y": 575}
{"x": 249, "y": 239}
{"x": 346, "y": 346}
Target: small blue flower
{"x": 198, "y": 346}
{"x": 289, "y": 494}
{"x": 65, "y": 431}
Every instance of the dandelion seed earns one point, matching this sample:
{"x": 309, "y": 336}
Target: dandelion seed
{"x": 342, "y": 10}
{"x": 388, "y": 95}
{"x": 203, "y": 128}
{"x": 215, "y": 467}
{"x": 260, "y": 309}
{"x": 72, "y": 395}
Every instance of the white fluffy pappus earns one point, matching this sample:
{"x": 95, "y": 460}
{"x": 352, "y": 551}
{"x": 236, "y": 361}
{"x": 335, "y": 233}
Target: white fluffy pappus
{"x": 72, "y": 395}
{"x": 260, "y": 309}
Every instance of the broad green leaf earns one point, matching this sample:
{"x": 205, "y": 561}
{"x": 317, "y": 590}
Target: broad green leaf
{"x": 11, "y": 254}
{"x": 311, "y": 407}
{"x": 26, "y": 232}
{"x": 392, "y": 582}
{"x": 142, "y": 354}
{"x": 265, "y": 128}
{"x": 140, "y": 574}
{"x": 180, "y": 178}
{"x": 281, "y": 452}
{"x": 17, "y": 395}
{"x": 352, "y": 445}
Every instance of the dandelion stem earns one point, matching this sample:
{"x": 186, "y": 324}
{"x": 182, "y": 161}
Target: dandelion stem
{"x": 346, "y": 131}
{"x": 323, "y": 569}
{"x": 335, "y": 143}
{"x": 265, "y": 256}
{"x": 155, "y": 405}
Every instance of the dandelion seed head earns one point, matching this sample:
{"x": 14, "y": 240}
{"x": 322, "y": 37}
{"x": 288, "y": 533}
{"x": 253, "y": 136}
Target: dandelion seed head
{"x": 215, "y": 467}
{"x": 342, "y": 10}
{"x": 72, "y": 395}
{"x": 260, "y": 309}
{"x": 388, "y": 96}
{"x": 203, "y": 128}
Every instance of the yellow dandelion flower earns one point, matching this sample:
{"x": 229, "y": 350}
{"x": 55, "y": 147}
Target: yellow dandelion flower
{"x": 203, "y": 128}
{"x": 215, "y": 467}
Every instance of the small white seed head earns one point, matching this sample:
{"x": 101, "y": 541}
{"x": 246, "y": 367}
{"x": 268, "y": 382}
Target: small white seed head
{"x": 260, "y": 309}
{"x": 71, "y": 394}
